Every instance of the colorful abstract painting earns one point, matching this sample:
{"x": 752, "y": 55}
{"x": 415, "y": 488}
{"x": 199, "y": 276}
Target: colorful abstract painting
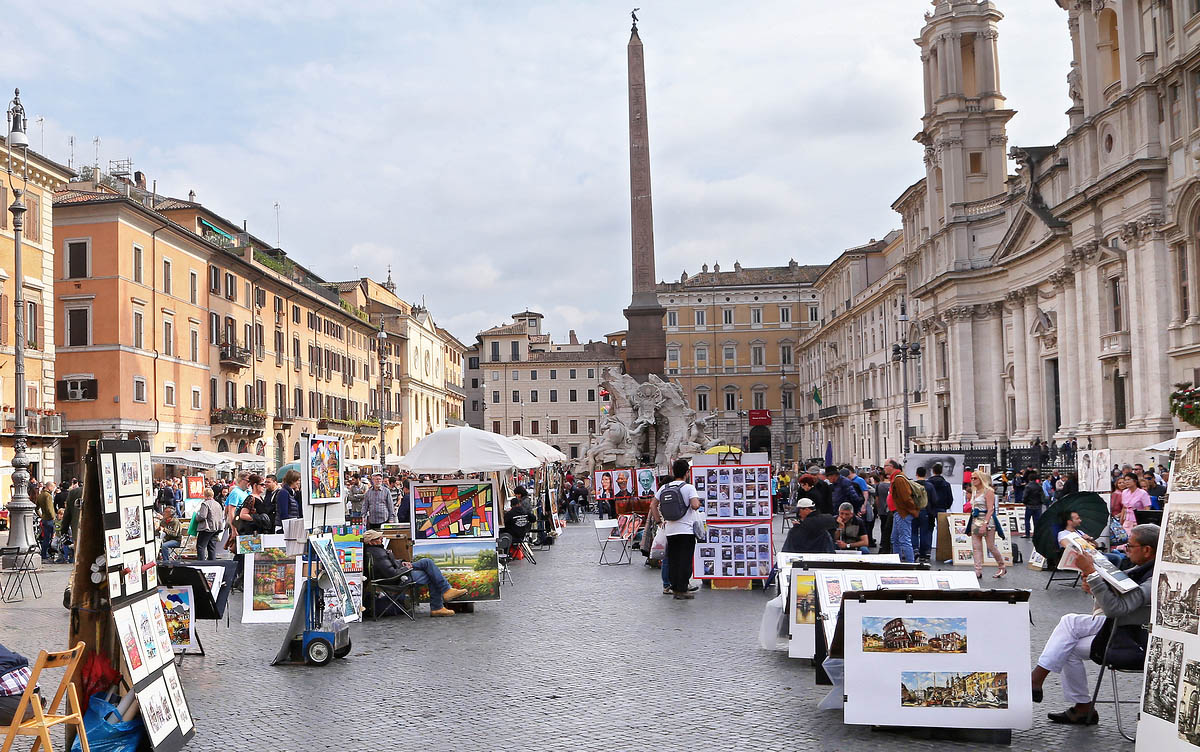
{"x": 324, "y": 469}
{"x": 449, "y": 511}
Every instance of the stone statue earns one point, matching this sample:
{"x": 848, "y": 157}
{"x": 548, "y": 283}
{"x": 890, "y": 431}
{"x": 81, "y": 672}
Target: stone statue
{"x": 614, "y": 444}
{"x": 698, "y": 439}
{"x": 633, "y": 15}
{"x": 1075, "y": 86}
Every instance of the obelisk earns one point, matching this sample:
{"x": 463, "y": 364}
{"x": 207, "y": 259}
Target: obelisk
{"x": 646, "y": 341}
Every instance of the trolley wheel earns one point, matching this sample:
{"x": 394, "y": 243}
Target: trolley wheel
{"x": 319, "y": 652}
{"x": 342, "y": 652}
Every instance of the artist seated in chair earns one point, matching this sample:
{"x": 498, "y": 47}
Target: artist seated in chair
{"x": 172, "y": 533}
{"x": 518, "y": 520}
{"x": 1070, "y": 643}
{"x": 385, "y": 568}
{"x": 14, "y": 677}
{"x": 851, "y": 533}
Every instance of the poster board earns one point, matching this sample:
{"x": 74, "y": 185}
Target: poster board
{"x": 131, "y": 549}
{"x": 1170, "y": 717}
{"x": 977, "y": 677}
{"x": 454, "y": 510}
{"x": 954, "y": 469}
{"x": 321, "y": 480}
{"x": 342, "y": 604}
{"x": 1094, "y": 467}
{"x": 960, "y": 542}
{"x": 178, "y": 605}
{"x": 735, "y": 551}
{"x": 734, "y": 492}
{"x": 193, "y": 494}
{"x": 272, "y": 583}
{"x": 802, "y": 613}
{"x": 614, "y": 484}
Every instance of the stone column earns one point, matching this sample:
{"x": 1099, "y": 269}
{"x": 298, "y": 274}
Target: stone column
{"x": 1070, "y": 390}
{"x": 962, "y": 374}
{"x": 943, "y": 50}
{"x": 989, "y": 84}
{"x": 954, "y": 43}
{"x": 1086, "y": 341}
{"x": 1016, "y": 299}
{"x": 1193, "y": 268}
{"x": 1033, "y": 365}
{"x": 1132, "y": 290}
{"x": 1156, "y": 312}
{"x": 996, "y": 344}
{"x": 927, "y": 76}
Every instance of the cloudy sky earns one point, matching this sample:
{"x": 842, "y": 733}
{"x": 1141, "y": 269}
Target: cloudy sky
{"x": 481, "y": 148}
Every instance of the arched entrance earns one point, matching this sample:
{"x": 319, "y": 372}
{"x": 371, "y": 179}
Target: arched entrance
{"x": 760, "y": 439}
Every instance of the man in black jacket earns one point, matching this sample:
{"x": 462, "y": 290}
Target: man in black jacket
{"x": 812, "y": 532}
{"x": 842, "y": 491}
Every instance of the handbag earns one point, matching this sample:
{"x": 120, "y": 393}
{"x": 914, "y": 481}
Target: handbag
{"x": 658, "y": 548}
{"x": 1117, "y": 534}
{"x": 700, "y": 530}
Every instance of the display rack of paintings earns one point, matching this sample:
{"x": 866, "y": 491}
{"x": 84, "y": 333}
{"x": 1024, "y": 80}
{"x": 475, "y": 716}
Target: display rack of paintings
{"x": 272, "y": 583}
{"x": 1170, "y": 716}
{"x": 129, "y": 544}
{"x": 960, "y": 541}
{"x": 734, "y": 492}
{"x": 735, "y": 551}
{"x": 624, "y": 483}
{"x": 935, "y": 659}
{"x": 454, "y": 510}
{"x": 322, "y": 459}
{"x": 145, "y": 634}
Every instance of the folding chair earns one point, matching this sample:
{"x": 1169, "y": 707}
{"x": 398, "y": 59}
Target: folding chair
{"x": 1119, "y": 665}
{"x": 13, "y": 589}
{"x": 402, "y": 593}
{"x": 606, "y": 535}
{"x": 43, "y": 720}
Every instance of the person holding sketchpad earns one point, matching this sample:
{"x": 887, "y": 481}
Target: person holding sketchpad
{"x": 675, "y": 507}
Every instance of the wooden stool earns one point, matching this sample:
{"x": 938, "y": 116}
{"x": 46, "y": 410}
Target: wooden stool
{"x": 41, "y": 722}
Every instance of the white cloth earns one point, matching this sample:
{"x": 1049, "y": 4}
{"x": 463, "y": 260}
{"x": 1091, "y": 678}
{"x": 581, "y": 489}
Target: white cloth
{"x": 683, "y": 525}
{"x": 1069, "y": 646}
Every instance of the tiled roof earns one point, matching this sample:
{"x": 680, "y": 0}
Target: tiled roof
{"x": 505, "y": 329}
{"x": 574, "y": 357}
{"x": 760, "y": 275}
{"x": 73, "y": 196}
{"x": 168, "y": 203}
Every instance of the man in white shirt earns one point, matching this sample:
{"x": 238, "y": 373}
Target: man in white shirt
{"x": 681, "y": 537}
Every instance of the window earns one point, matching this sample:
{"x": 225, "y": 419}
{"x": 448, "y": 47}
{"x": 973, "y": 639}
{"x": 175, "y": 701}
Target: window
{"x": 975, "y": 163}
{"x": 812, "y": 313}
{"x": 516, "y": 426}
{"x": 572, "y": 396}
{"x": 701, "y": 358}
{"x": 759, "y": 400}
{"x": 516, "y": 396}
{"x": 31, "y": 325}
{"x": 230, "y": 287}
{"x": 573, "y": 426}
{"x": 591, "y": 373}
{"x": 139, "y": 389}
{"x": 672, "y": 360}
{"x": 77, "y": 259}
{"x": 755, "y": 315}
{"x": 78, "y": 321}
{"x": 168, "y": 346}
{"x": 1169, "y": 14}
{"x": 166, "y": 281}
{"x": 214, "y": 274}
{"x": 591, "y": 395}
{"x": 553, "y": 373}
{"x": 788, "y": 399}
{"x": 139, "y": 326}
{"x": 533, "y": 375}
{"x": 194, "y": 349}
{"x": 516, "y": 350}
{"x": 726, "y": 316}
{"x": 533, "y": 427}
{"x": 496, "y": 354}
{"x": 731, "y": 400}
{"x": 169, "y": 394}
{"x": 193, "y": 287}
{"x": 516, "y": 375}
{"x": 296, "y": 314}
{"x": 672, "y": 318}
{"x": 533, "y": 395}
{"x": 137, "y": 263}
{"x": 1181, "y": 274}
{"x": 571, "y": 373}
{"x": 260, "y": 297}
{"x": 757, "y": 356}
{"x": 554, "y": 395}
{"x": 729, "y": 352}
{"x": 1195, "y": 99}
{"x": 785, "y": 314}
{"x": 1175, "y": 98}
{"x": 785, "y": 355}
{"x": 701, "y": 400}
{"x": 296, "y": 359}
{"x": 495, "y": 426}
{"x": 33, "y": 218}
{"x": 592, "y": 426}
{"x": 554, "y": 427}
{"x": 1114, "y": 293}
{"x": 197, "y": 399}
{"x": 701, "y": 319}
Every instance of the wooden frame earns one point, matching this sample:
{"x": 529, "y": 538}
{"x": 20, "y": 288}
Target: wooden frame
{"x": 43, "y": 720}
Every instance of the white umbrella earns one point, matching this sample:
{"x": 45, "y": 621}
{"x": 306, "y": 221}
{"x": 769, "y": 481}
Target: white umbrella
{"x": 392, "y": 459}
{"x": 1162, "y": 446}
{"x": 188, "y": 458}
{"x": 540, "y": 449}
{"x": 467, "y": 450}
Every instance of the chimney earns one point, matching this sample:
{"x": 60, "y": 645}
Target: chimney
{"x": 572, "y": 338}
{"x": 192, "y": 196}
{"x": 139, "y": 179}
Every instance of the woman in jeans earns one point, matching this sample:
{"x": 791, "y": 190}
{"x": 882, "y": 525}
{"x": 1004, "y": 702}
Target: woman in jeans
{"x": 983, "y": 524}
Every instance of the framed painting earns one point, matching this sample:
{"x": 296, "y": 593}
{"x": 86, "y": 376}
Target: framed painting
{"x": 468, "y": 564}
{"x": 454, "y": 511}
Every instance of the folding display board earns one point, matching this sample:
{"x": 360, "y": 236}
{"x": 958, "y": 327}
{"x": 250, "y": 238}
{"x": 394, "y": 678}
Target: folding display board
{"x": 734, "y": 492}
{"x": 129, "y": 543}
{"x": 735, "y": 551}
{"x": 785, "y": 560}
{"x": 323, "y": 465}
{"x": 957, "y": 659}
{"x": 1170, "y": 717}
{"x": 953, "y": 539}
{"x": 954, "y": 469}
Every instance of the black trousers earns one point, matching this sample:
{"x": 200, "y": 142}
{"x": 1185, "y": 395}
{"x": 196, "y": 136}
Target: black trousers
{"x": 680, "y": 550}
{"x": 885, "y": 532}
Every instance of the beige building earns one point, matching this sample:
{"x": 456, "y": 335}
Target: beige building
{"x": 731, "y": 342}
{"x": 527, "y": 385}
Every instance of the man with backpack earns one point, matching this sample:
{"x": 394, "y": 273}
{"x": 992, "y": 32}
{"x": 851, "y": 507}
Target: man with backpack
{"x": 922, "y": 494}
{"x": 675, "y": 507}
{"x": 903, "y": 511}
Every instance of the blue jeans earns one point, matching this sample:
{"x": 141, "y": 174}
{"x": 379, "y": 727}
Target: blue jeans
{"x": 425, "y": 572}
{"x": 165, "y": 549}
{"x": 666, "y": 571}
{"x": 47, "y": 534}
{"x": 922, "y": 534}
{"x": 902, "y": 533}
{"x": 1036, "y": 514}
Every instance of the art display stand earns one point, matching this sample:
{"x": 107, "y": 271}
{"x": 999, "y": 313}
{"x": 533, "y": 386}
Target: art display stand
{"x": 937, "y": 662}
{"x": 737, "y": 503}
{"x": 1170, "y": 698}
{"x": 456, "y": 524}
{"x": 204, "y": 605}
{"x": 954, "y": 545}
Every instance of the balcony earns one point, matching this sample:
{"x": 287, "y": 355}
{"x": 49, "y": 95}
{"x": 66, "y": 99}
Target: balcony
{"x": 284, "y": 417}
{"x": 869, "y": 404}
{"x": 234, "y": 357}
{"x": 941, "y": 386}
{"x": 830, "y": 412}
{"x": 36, "y": 423}
{"x": 367, "y": 429}
{"x": 454, "y": 389}
{"x": 335, "y": 425}
{"x": 1114, "y": 345}
{"x": 918, "y": 396}
{"x": 239, "y": 420}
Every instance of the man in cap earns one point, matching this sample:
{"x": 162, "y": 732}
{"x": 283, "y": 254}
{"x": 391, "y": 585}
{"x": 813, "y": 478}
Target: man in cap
{"x": 385, "y": 567}
{"x": 811, "y": 533}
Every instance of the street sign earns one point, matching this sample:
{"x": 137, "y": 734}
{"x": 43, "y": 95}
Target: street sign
{"x": 760, "y": 417}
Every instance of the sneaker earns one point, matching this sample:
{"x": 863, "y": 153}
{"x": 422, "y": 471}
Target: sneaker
{"x": 443, "y": 611}
{"x": 453, "y": 594}
{"x": 693, "y": 588}
{"x": 667, "y": 590}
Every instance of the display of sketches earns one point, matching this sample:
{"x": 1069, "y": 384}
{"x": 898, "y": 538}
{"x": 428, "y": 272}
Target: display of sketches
{"x": 1181, "y": 533}
{"x": 178, "y": 701}
{"x": 1176, "y": 605}
{"x": 1164, "y": 660}
{"x": 108, "y": 483}
{"x": 129, "y": 475}
{"x": 1185, "y": 469}
{"x": 960, "y": 543}
{"x": 178, "y": 609}
{"x": 1188, "y": 720}
{"x": 614, "y": 484}
{"x": 468, "y": 564}
{"x": 456, "y": 510}
{"x": 131, "y": 564}
{"x": 975, "y": 676}
{"x": 987, "y": 690}
{"x": 132, "y": 523}
{"x": 112, "y": 547}
{"x": 271, "y": 597}
{"x": 131, "y": 644}
{"x": 953, "y": 468}
{"x": 146, "y": 481}
{"x": 143, "y": 620}
{"x": 1093, "y": 467}
{"x": 324, "y": 455}
{"x": 881, "y": 634}
{"x": 734, "y": 491}
{"x": 344, "y": 600}
{"x": 157, "y": 712}
{"x": 734, "y": 551}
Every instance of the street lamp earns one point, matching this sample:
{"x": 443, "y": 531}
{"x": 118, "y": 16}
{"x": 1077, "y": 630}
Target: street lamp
{"x": 902, "y": 352}
{"x": 381, "y": 341}
{"x": 20, "y": 509}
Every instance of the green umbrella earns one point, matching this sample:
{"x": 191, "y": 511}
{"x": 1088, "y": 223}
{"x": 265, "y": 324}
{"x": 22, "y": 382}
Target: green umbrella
{"x": 1092, "y": 510}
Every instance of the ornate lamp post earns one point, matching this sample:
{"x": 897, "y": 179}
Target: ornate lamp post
{"x": 20, "y": 509}
{"x": 902, "y": 352}
{"x": 381, "y": 342}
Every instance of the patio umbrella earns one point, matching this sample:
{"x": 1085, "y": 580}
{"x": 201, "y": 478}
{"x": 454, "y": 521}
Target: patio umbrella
{"x": 1162, "y": 446}
{"x": 724, "y": 449}
{"x": 540, "y": 449}
{"x": 468, "y": 450}
{"x": 1092, "y": 510}
{"x": 188, "y": 458}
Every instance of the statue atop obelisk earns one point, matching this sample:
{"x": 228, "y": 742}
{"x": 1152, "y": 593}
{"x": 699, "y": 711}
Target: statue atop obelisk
{"x": 646, "y": 341}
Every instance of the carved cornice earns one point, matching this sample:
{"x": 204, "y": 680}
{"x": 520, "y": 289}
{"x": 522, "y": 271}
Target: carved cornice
{"x": 1016, "y": 297}
{"x": 1084, "y": 254}
{"x": 1061, "y": 278}
{"x": 991, "y": 34}
{"x": 960, "y": 313}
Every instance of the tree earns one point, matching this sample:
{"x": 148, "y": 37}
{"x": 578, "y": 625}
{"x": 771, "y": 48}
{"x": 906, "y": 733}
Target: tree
{"x": 486, "y": 560}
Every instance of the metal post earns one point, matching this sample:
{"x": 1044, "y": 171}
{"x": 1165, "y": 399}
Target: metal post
{"x": 904, "y": 369}
{"x": 20, "y": 508}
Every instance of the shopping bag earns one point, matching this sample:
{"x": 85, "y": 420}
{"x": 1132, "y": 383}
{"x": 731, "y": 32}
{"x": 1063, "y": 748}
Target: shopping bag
{"x": 658, "y": 549}
{"x": 109, "y": 736}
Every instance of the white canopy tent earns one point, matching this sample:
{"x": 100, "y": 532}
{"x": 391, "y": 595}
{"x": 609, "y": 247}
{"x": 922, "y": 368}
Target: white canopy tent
{"x": 1162, "y": 446}
{"x": 189, "y": 458}
{"x": 393, "y": 459}
{"x": 467, "y": 450}
{"x": 540, "y": 449}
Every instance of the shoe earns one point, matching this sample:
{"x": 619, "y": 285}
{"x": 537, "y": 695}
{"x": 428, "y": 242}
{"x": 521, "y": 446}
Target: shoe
{"x": 668, "y": 591}
{"x": 1091, "y": 719}
{"x": 443, "y": 611}
{"x": 999, "y": 574}
{"x": 453, "y": 594}
{"x": 693, "y": 588}
{"x": 684, "y": 596}
{"x": 1038, "y": 695}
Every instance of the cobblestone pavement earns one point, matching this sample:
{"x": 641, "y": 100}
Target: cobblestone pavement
{"x": 577, "y": 656}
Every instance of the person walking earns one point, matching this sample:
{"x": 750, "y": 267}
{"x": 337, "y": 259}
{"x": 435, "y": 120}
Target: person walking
{"x": 45, "y": 509}
{"x": 983, "y": 523}
{"x": 680, "y": 532}
{"x": 210, "y": 521}
{"x": 922, "y": 537}
{"x": 883, "y": 488}
{"x": 902, "y": 510}
{"x": 1034, "y": 499}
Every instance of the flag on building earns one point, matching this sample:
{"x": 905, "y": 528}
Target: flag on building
{"x": 816, "y": 395}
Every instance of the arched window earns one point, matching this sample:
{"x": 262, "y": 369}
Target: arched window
{"x": 242, "y": 447}
{"x": 1109, "y": 47}
{"x": 260, "y": 449}
{"x": 222, "y": 446}
{"x": 278, "y": 449}
{"x": 296, "y": 451}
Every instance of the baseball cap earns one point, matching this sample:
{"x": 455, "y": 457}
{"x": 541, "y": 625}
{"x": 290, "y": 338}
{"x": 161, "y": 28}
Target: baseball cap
{"x": 805, "y": 503}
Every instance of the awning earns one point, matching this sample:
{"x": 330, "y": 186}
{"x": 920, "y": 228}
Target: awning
{"x": 1162, "y": 446}
{"x": 188, "y": 458}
